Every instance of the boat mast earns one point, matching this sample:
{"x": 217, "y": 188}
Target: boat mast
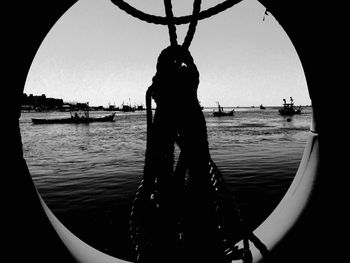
{"x": 87, "y": 110}
{"x": 219, "y": 107}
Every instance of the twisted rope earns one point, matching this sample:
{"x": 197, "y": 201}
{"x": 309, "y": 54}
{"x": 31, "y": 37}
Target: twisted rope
{"x": 159, "y": 20}
{"x": 193, "y": 24}
{"x": 173, "y": 42}
{"x": 171, "y": 25}
{"x": 191, "y": 28}
{"x": 150, "y": 195}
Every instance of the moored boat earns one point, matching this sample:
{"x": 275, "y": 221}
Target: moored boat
{"x": 75, "y": 119}
{"x": 221, "y": 112}
{"x": 127, "y": 108}
{"x": 289, "y": 108}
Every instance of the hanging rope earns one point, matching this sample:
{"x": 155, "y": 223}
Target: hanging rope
{"x": 150, "y": 209}
{"x": 193, "y": 24}
{"x": 176, "y": 20}
{"x": 191, "y": 28}
{"x": 173, "y": 42}
{"x": 171, "y": 25}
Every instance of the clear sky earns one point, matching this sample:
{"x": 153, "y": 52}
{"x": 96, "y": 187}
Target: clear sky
{"x": 98, "y": 53}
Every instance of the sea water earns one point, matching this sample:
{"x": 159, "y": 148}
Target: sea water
{"x": 88, "y": 174}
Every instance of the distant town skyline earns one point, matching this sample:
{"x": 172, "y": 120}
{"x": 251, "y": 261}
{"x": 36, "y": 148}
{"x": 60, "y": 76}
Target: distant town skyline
{"x": 97, "y": 53}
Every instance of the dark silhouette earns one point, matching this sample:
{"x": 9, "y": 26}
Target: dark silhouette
{"x": 289, "y": 108}
{"x": 174, "y": 214}
{"x": 220, "y": 112}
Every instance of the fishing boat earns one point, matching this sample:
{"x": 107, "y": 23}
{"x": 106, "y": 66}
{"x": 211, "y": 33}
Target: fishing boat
{"x": 262, "y": 107}
{"x": 75, "y": 119}
{"x": 220, "y": 112}
{"x": 111, "y": 107}
{"x": 127, "y": 108}
{"x": 140, "y": 107}
{"x": 289, "y": 108}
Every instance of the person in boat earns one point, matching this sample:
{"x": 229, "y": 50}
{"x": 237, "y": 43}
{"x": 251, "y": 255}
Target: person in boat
{"x": 75, "y": 115}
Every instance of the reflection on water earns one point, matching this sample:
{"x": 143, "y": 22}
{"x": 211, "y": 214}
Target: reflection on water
{"x": 88, "y": 173}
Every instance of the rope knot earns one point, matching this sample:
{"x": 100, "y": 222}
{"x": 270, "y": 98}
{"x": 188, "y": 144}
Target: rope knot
{"x": 177, "y": 78}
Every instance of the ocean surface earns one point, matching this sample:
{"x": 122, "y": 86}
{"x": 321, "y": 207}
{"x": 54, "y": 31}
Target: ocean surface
{"x": 88, "y": 174}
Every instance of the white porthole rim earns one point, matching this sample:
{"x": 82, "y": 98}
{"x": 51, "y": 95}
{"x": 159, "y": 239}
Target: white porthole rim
{"x": 270, "y": 232}
{"x": 294, "y": 203}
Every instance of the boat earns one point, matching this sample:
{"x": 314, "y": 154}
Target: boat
{"x": 111, "y": 107}
{"x": 140, "y": 107}
{"x": 289, "y": 108}
{"x": 221, "y": 112}
{"x": 127, "y": 108}
{"x": 75, "y": 119}
{"x": 262, "y": 107}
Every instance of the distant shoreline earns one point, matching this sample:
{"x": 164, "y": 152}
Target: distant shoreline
{"x": 143, "y": 109}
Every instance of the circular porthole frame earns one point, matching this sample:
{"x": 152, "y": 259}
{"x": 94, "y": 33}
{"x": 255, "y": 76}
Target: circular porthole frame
{"x": 278, "y": 232}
